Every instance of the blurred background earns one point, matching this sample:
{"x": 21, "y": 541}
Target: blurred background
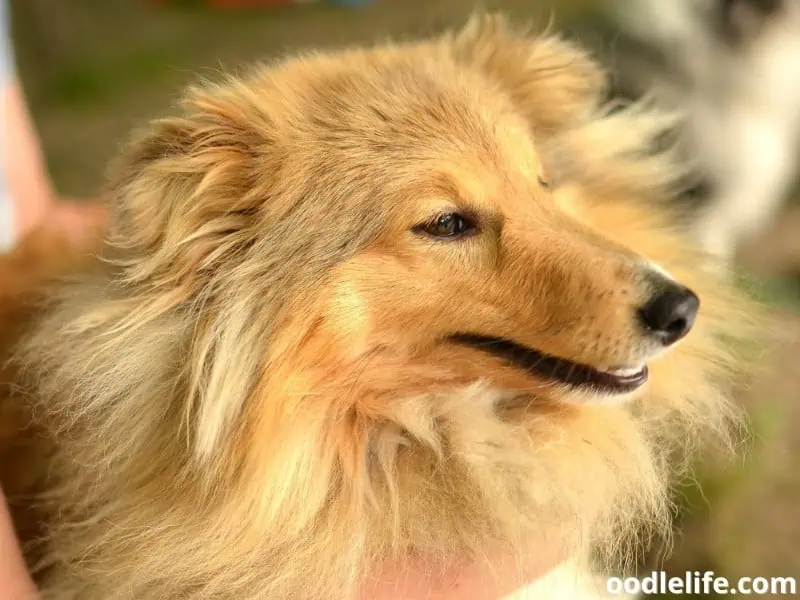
{"x": 93, "y": 70}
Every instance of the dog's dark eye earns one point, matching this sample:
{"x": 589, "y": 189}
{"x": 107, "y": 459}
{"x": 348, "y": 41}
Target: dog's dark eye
{"x": 448, "y": 225}
{"x": 542, "y": 181}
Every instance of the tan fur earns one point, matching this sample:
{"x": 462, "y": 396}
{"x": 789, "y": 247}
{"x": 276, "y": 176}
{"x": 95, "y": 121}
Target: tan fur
{"x": 250, "y": 395}
{"x": 39, "y": 259}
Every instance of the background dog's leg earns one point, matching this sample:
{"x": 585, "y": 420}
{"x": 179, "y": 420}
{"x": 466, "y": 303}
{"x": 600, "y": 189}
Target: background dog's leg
{"x": 759, "y": 168}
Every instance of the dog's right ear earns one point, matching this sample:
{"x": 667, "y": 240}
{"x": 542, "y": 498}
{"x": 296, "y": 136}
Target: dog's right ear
{"x": 552, "y": 80}
{"x": 186, "y": 191}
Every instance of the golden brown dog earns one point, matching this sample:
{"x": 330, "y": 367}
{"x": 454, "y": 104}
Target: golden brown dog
{"x": 410, "y": 300}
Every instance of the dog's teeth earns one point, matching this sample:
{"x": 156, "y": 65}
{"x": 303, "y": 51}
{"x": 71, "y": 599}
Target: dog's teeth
{"x": 626, "y": 371}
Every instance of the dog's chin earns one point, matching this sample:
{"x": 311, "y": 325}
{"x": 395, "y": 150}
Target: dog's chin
{"x": 579, "y": 380}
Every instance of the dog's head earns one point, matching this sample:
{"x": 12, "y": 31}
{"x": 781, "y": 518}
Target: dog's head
{"x": 405, "y": 207}
{"x": 318, "y": 263}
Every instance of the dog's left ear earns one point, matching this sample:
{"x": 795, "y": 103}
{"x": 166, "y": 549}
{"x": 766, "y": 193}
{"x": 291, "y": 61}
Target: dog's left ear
{"x": 185, "y": 192}
{"x": 552, "y": 80}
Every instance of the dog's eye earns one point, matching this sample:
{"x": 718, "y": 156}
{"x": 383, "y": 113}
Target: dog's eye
{"x": 542, "y": 181}
{"x": 447, "y": 225}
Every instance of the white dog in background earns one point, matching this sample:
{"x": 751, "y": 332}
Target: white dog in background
{"x": 732, "y": 67}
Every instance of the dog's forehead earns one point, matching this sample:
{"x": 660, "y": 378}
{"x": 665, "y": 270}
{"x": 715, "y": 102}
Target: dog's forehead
{"x": 371, "y": 137}
{"x": 408, "y": 119}
{"x": 407, "y": 103}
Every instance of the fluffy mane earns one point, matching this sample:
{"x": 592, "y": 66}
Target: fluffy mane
{"x": 213, "y": 440}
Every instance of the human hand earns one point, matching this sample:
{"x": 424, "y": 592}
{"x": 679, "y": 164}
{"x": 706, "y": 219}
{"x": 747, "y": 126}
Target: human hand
{"x": 15, "y": 582}
{"x": 78, "y": 222}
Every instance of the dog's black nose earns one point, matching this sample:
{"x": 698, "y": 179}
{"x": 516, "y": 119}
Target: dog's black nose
{"x": 670, "y": 313}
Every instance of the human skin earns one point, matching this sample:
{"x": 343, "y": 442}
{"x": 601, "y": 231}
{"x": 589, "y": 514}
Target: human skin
{"x": 15, "y": 583}
{"x": 489, "y": 580}
{"x": 29, "y": 186}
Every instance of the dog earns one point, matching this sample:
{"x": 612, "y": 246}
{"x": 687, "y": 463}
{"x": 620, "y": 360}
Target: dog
{"x": 359, "y": 307}
{"x": 41, "y": 258}
{"x": 730, "y": 67}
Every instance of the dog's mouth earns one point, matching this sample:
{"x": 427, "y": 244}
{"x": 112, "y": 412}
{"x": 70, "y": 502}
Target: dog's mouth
{"x": 615, "y": 380}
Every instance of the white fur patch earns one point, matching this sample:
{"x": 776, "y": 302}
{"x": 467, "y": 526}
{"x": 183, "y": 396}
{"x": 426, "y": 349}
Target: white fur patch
{"x": 567, "y": 582}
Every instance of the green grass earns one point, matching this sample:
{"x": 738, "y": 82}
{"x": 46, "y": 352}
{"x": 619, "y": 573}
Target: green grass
{"x": 91, "y": 83}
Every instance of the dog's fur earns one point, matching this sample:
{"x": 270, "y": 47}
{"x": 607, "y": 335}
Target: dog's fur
{"x": 252, "y": 395}
{"x": 41, "y": 257}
